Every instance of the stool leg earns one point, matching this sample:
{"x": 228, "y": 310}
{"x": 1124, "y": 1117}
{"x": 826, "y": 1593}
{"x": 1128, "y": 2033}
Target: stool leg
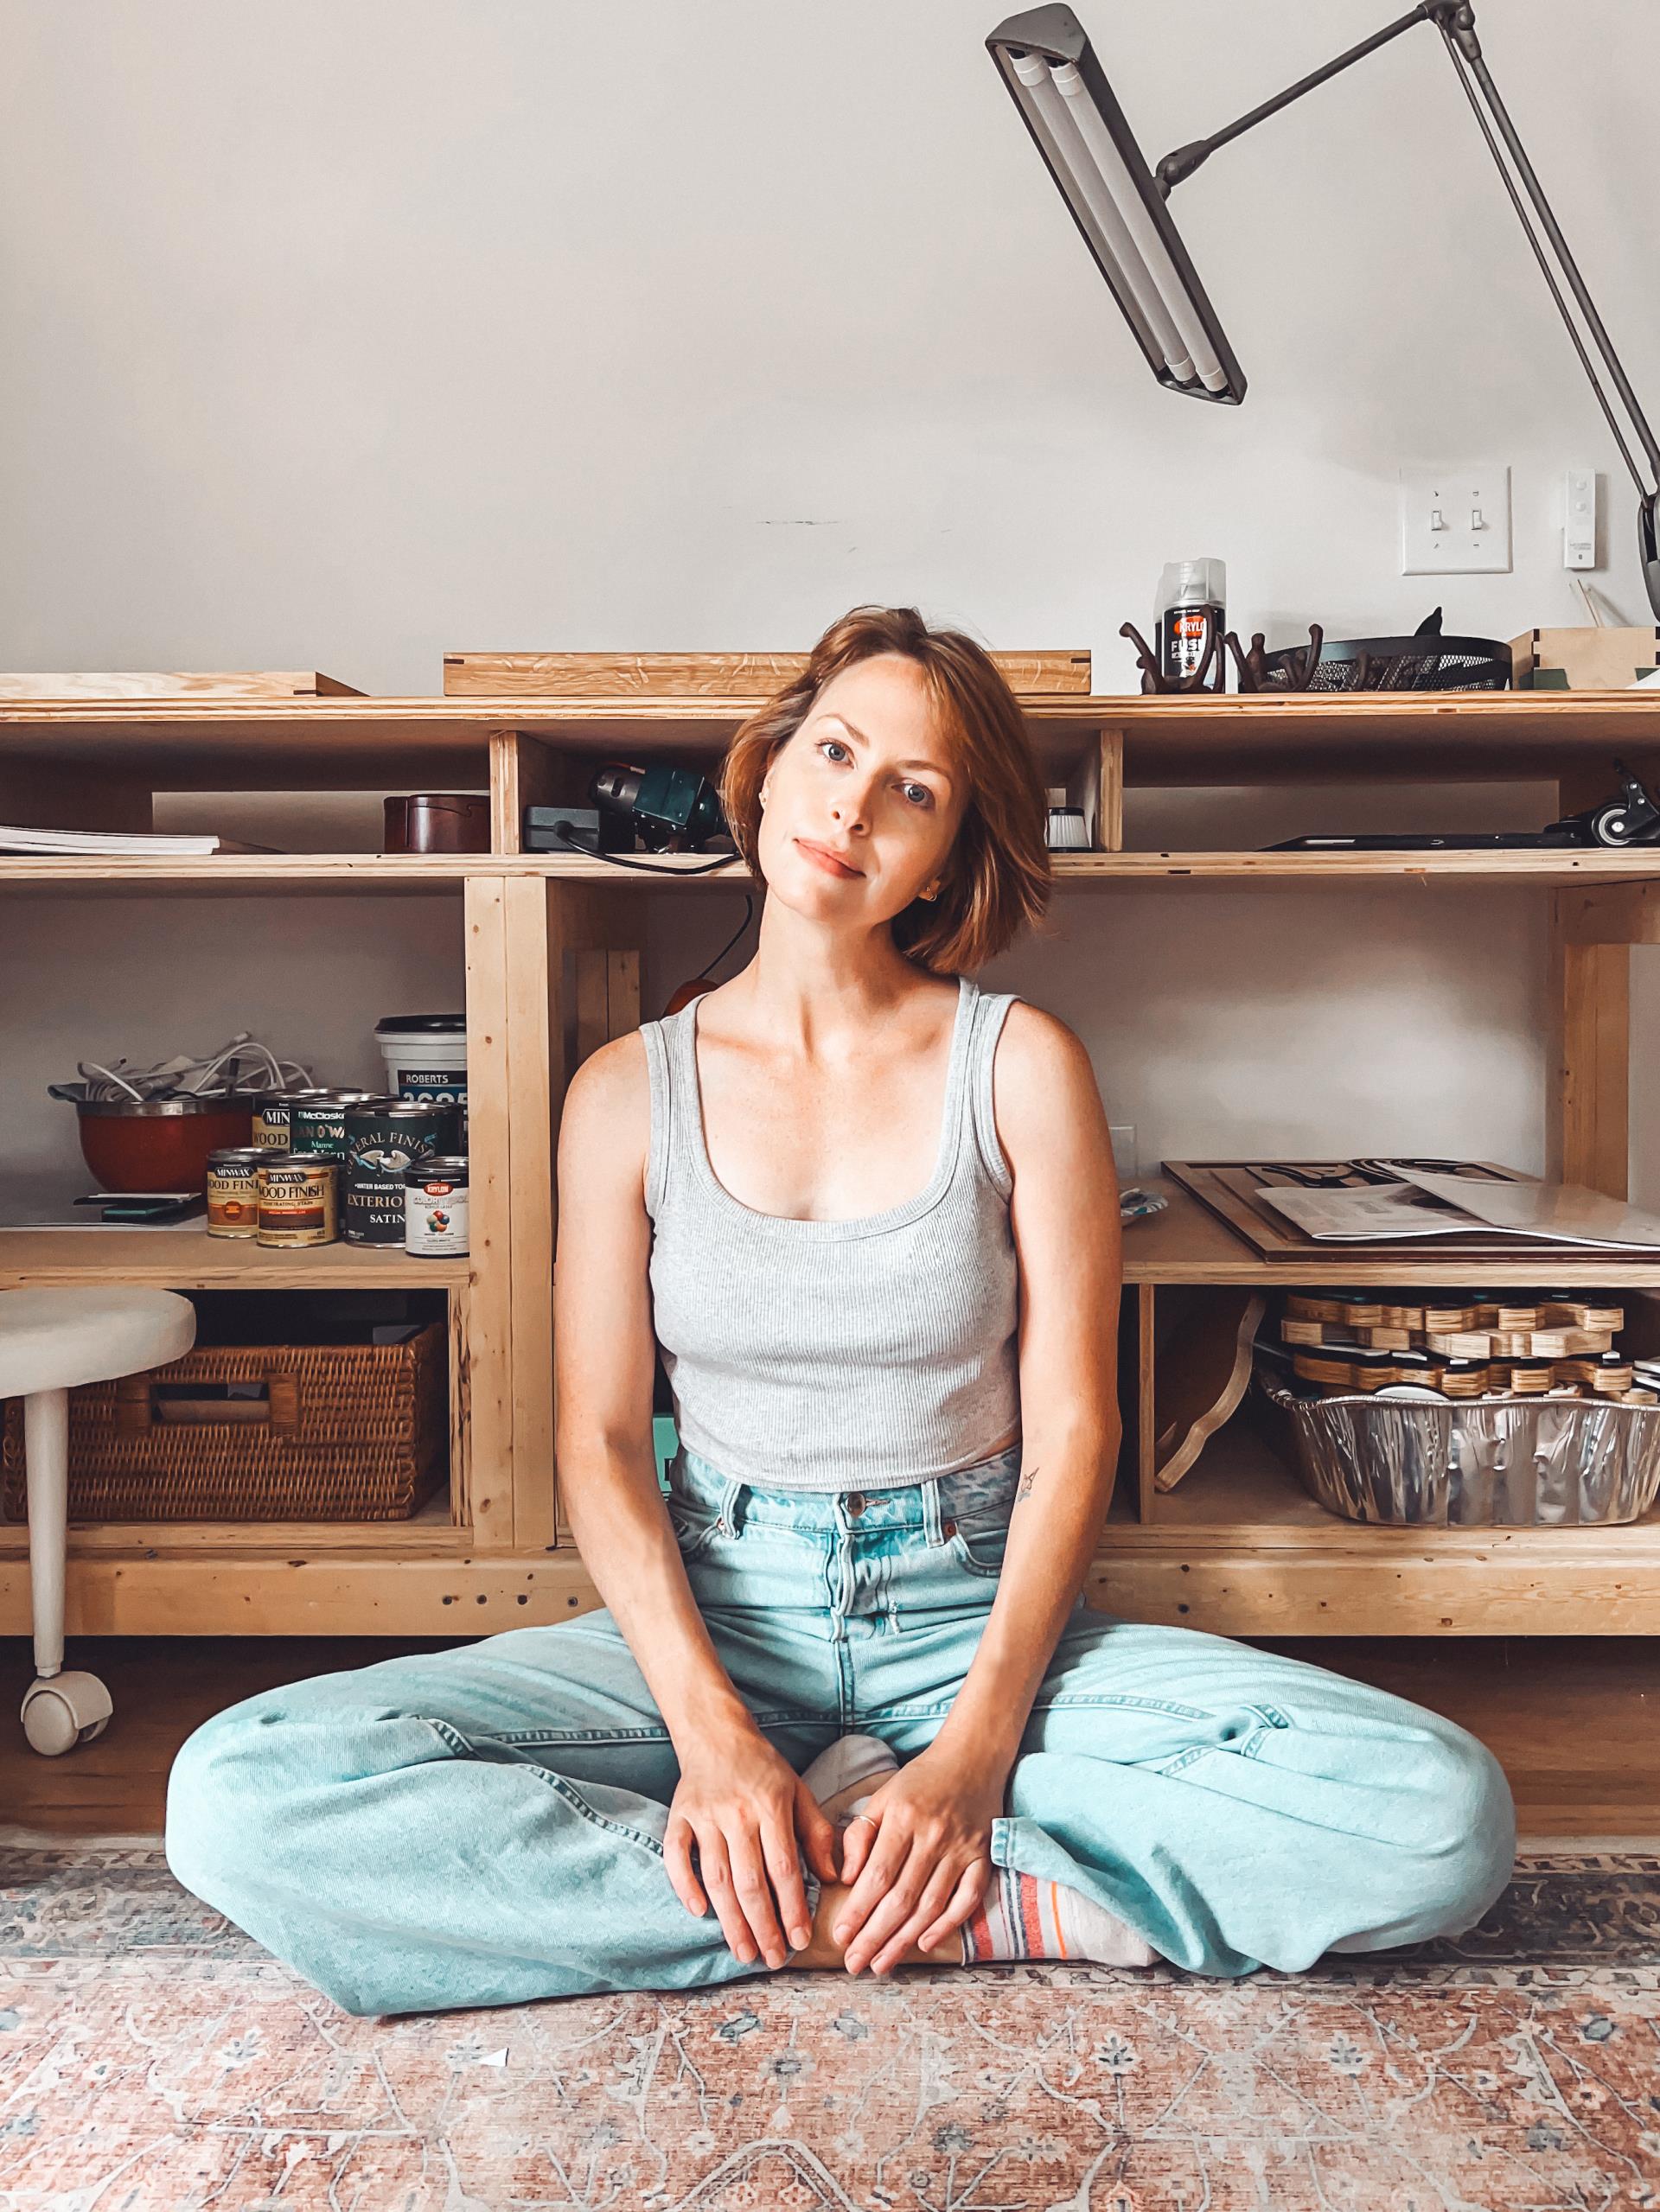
{"x": 59, "y": 1710}
{"x": 46, "y": 1456}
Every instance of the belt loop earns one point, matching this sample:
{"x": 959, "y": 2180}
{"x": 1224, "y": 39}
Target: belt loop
{"x": 729, "y": 1498}
{"x": 930, "y": 1490}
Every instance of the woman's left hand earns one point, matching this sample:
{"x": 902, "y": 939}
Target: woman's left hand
{"x": 919, "y": 1862}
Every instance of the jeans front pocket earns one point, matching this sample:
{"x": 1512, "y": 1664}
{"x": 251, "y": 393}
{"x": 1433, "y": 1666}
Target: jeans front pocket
{"x": 979, "y": 1544}
{"x": 695, "y": 1528}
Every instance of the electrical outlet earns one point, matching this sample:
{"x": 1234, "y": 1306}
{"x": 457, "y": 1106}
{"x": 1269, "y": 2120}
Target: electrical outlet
{"x": 1580, "y": 520}
{"x": 1455, "y": 522}
{"x": 1123, "y": 1136}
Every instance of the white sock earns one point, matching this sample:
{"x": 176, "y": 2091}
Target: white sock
{"x": 844, "y": 1777}
{"x": 1023, "y": 1917}
{"x": 1020, "y": 1916}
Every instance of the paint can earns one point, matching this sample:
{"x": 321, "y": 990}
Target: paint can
{"x": 425, "y": 1056}
{"x": 435, "y": 1208}
{"x": 271, "y": 1113}
{"x": 385, "y": 1137}
{"x": 318, "y": 1124}
{"x": 296, "y": 1199}
{"x": 233, "y": 1192}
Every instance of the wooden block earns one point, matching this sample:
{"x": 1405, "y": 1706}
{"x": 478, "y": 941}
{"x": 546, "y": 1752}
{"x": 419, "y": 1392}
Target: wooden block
{"x": 239, "y": 683}
{"x": 701, "y": 675}
{"x": 1590, "y": 658}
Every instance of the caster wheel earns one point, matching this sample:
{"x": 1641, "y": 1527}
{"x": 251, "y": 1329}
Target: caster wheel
{"x": 64, "y": 1710}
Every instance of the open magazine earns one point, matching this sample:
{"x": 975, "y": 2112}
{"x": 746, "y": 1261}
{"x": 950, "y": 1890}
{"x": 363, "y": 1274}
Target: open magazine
{"x": 1423, "y": 1204}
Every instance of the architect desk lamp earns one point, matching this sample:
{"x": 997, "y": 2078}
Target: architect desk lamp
{"x": 1118, "y": 203}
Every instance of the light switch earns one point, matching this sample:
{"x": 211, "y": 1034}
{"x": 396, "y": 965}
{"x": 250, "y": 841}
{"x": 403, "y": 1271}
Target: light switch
{"x": 1455, "y": 522}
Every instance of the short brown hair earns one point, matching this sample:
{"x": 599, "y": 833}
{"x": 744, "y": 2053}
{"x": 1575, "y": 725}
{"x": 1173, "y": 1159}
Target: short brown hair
{"x": 999, "y": 876}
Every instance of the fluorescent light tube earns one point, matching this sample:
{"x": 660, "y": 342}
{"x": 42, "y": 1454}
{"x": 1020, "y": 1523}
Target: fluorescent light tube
{"x": 1150, "y": 248}
{"x": 1093, "y": 203}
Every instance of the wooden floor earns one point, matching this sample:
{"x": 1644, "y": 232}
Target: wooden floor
{"x": 1573, "y": 1719}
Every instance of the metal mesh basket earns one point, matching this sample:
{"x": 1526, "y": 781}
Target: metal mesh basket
{"x": 1395, "y": 664}
{"x": 1488, "y": 1463}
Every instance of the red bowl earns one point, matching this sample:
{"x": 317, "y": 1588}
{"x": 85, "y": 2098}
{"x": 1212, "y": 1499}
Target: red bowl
{"x": 160, "y": 1143}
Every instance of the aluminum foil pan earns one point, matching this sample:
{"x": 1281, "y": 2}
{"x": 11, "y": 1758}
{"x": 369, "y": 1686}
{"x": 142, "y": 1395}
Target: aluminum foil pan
{"x": 1490, "y": 1462}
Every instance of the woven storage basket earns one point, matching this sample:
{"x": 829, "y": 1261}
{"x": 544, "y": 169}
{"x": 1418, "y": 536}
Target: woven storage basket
{"x": 345, "y": 1432}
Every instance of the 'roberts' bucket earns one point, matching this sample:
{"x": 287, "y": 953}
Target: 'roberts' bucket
{"x": 425, "y": 1055}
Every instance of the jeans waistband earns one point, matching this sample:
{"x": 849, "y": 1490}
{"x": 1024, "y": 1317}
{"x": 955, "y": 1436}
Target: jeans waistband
{"x": 985, "y": 1490}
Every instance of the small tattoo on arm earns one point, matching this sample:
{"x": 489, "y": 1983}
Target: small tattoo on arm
{"x": 1028, "y": 1476}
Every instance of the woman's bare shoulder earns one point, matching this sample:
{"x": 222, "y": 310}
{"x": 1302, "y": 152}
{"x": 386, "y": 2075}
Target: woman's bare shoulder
{"x": 1044, "y": 1081}
{"x": 606, "y": 1123}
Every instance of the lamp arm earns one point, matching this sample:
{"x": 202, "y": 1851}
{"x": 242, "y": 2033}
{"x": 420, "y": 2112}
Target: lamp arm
{"x": 1464, "y": 49}
{"x": 1456, "y": 21}
{"x": 1185, "y": 159}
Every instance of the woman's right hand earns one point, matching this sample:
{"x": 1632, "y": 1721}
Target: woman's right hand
{"x": 744, "y": 1807}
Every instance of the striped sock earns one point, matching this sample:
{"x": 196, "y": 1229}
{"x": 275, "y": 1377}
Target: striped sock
{"x": 1023, "y": 1917}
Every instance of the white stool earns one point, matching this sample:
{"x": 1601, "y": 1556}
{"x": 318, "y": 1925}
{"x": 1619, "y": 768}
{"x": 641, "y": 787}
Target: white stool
{"x": 50, "y": 1340}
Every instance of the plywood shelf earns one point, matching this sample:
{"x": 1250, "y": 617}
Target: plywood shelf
{"x": 1085, "y": 871}
{"x": 429, "y": 1532}
{"x": 331, "y": 875}
{"x": 188, "y": 1258}
{"x": 347, "y": 743}
{"x": 233, "y": 875}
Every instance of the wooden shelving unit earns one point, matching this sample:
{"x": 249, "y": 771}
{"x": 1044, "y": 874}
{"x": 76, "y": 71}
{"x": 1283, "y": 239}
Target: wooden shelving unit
{"x": 553, "y": 948}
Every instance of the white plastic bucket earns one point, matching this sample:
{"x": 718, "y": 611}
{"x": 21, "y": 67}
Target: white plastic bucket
{"x": 425, "y": 1055}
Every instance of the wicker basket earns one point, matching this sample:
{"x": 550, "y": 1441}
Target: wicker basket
{"x": 342, "y": 1432}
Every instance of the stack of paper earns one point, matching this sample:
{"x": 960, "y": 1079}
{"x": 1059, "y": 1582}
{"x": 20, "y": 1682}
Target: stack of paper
{"x": 156, "y": 844}
{"x": 1426, "y": 1205}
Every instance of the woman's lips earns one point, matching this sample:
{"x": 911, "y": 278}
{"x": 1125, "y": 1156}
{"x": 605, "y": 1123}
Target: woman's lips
{"x": 827, "y": 861}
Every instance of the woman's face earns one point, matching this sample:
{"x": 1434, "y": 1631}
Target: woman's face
{"x": 867, "y": 780}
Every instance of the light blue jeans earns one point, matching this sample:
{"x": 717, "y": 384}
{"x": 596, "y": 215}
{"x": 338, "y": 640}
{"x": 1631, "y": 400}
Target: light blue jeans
{"x": 482, "y": 1826}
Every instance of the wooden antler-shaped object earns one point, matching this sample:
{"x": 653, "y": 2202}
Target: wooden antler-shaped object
{"x": 1300, "y": 662}
{"x": 1153, "y": 677}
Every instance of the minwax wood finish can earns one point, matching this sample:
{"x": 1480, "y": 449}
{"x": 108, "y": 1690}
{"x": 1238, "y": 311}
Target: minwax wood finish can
{"x": 272, "y": 1116}
{"x": 318, "y": 1124}
{"x": 385, "y": 1137}
{"x": 233, "y": 1192}
{"x": 296, "y": 1199}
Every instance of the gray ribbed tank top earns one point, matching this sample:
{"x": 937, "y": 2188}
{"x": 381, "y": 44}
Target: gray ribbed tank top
{"x": 837, "y": 1355}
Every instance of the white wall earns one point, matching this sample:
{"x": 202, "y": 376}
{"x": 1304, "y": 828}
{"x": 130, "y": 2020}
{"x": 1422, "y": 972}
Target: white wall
{"x": 339, "y": 337}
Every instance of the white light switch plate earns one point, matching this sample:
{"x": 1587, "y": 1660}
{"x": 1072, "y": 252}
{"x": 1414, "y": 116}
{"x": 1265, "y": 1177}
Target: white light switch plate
{"x": 1580, "y": 520}
{"x": 1455, "y": 522}
{"x": 1123, "y": 1136}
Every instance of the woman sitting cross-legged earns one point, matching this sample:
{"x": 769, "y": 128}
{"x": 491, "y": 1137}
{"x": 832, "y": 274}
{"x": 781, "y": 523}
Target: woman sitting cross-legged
{"x": 845, "y": 1707}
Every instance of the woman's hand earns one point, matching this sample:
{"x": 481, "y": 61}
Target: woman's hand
{"x": 743, "y": 1805}
{"x": 920, "y": 1870}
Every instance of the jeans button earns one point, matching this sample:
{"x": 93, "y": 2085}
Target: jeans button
{"x": 948, "y": 1528}
{"x": 856, "y": 1501}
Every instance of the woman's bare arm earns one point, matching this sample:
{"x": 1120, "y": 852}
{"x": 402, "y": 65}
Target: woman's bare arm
{"x": 737, "y": 1800}
{"x": 604, "y": 1359}
{"x": 1064, "y": 1215}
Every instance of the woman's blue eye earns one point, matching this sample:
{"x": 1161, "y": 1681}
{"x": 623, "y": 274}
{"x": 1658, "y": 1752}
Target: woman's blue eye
{"x": 928, "y": 796}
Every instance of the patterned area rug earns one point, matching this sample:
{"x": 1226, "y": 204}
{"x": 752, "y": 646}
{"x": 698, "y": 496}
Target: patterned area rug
{"x": 152, "y": 2059}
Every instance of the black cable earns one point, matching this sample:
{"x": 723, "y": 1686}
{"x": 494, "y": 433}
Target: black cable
{"x": 567, "y": 832}
{"x": 749, "y": 915}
